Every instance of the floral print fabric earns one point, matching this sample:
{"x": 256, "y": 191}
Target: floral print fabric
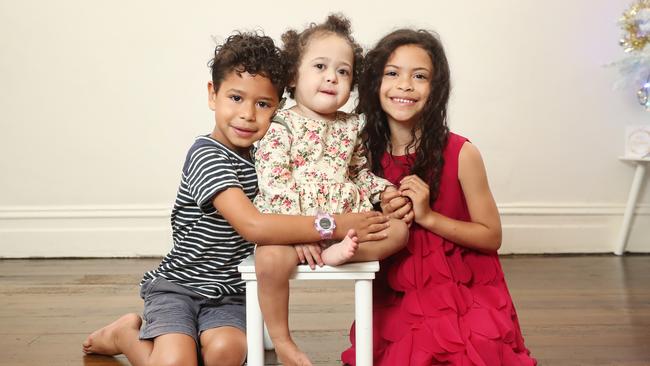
{"x": 305, "y": 165}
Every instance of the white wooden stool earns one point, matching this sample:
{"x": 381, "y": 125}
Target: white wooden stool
{"x": 362, "y": 273}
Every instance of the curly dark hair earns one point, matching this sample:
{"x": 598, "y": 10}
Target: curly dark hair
{"x": 296, "y": 43}
{"x": 249, "y": 52}
{"x": 432, "y": 125}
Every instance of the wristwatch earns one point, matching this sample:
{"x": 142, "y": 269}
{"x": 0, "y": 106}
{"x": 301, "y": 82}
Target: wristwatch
{"x": 325, "y": 225}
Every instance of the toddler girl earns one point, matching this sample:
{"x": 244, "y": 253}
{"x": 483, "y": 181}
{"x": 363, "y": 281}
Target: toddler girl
{"x": 311, "y": 162}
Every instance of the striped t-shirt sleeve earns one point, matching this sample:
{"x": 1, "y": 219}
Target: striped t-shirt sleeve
{"x": 207, "y": 173}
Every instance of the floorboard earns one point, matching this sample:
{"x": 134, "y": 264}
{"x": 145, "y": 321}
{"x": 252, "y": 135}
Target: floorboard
{"x": 574, "y": 310}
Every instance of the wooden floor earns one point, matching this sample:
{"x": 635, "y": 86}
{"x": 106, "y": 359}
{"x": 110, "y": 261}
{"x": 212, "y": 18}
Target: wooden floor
{"x": 574, "y": 310}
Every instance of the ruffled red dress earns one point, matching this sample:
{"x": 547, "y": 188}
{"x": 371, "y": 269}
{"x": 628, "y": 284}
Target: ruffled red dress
{"x": 438, "y": 303}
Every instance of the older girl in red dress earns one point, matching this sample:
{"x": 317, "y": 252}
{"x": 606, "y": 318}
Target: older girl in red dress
{"x": 443, "y": 300}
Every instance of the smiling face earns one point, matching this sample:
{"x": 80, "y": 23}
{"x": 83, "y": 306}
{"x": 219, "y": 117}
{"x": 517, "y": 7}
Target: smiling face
{"x": 405, "y": 85}
{"x": 243, "y": 107}
{"x": 324, "y": 77}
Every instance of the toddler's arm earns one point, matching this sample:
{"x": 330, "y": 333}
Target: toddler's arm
{"x": 361, "y": 175}
{"x": 278, "y": 191}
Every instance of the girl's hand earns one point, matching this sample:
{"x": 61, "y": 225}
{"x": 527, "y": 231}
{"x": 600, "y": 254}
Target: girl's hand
{"x": 417, "y": 191}
{"x": 396, "y": 206}
{"x": 368, "y": 225}
{"x": 309, "y": 253}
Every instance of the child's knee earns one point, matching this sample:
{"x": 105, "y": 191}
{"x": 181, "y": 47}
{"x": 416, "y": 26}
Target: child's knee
{"x": 172, "y": 359}
{"x": 173, "y": 349}
{"x": 275, "y": 261}
{"x": 225, "y": 350}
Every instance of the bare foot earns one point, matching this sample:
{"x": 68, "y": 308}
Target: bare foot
{"x": 342, "y": 251}
{"x": 102, "y": 341}
{"x": 290, "y": 355}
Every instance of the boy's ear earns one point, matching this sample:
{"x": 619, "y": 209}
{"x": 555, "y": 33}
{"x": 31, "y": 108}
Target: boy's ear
{"x": 211, "y": 95}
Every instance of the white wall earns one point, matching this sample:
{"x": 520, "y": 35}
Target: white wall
{"x": 99, "y": 102}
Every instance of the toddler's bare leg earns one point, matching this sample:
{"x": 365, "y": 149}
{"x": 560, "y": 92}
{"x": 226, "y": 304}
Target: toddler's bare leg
{"x": 122, "y": 336}
{"x": 274, "y": 264}
{"x": 398, "y": 234}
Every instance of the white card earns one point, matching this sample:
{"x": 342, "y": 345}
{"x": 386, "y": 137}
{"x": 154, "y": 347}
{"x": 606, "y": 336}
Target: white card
{"x": 637, "y": 141}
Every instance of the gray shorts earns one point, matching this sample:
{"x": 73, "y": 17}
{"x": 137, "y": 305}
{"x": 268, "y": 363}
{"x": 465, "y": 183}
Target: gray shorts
{"x": 171, "y": 308}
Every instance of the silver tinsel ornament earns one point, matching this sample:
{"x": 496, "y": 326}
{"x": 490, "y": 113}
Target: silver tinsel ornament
{"x": 635, "y": 67}
{"x": 643, "y": 94}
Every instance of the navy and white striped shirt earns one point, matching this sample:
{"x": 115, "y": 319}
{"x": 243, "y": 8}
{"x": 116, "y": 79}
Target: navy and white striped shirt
{"x": 206, "y": 248}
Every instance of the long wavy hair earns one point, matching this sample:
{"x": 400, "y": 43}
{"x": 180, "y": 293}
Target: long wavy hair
{"x": 429, "y": 137}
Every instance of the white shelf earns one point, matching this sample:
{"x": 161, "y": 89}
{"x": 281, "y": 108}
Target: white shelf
{"x": 635, "y": 159}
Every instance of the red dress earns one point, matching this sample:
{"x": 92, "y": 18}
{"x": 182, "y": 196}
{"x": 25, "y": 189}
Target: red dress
{"x": 438, "y": 303}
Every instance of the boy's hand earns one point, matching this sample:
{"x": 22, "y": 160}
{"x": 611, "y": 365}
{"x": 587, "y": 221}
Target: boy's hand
{"x": 309, "y": 253}
{"x": 396, "y": 205}
{"x": 368, "y": 225}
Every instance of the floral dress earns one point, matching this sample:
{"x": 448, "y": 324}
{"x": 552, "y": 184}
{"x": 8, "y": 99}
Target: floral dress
{"x": 306, "y": 165}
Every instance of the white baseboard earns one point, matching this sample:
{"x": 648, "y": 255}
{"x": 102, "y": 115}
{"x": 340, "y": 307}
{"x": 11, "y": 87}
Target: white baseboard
{"x": 132, "y": 231}
{"x": 85, "y": 231}
{"x": 570, "y": 228}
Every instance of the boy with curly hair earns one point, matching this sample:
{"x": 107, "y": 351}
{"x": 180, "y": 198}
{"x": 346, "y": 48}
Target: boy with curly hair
{"x": 194, "y": 301}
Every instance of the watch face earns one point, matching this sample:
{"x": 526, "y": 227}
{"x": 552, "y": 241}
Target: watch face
{"x": 325, "y": 223}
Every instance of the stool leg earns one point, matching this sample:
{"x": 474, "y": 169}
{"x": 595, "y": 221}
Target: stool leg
{"x": 363, "y": 317}
{"x": 254, "y": 326}
{"x": 268, "y": 343}
{"x": 621, "y": 241}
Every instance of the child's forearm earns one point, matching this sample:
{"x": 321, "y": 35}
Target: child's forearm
{"x": 259, "y": 228}
{"x": 474, "y": 235}
{"x": 272, "y": 229}
{"x": 276, "y": 229}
